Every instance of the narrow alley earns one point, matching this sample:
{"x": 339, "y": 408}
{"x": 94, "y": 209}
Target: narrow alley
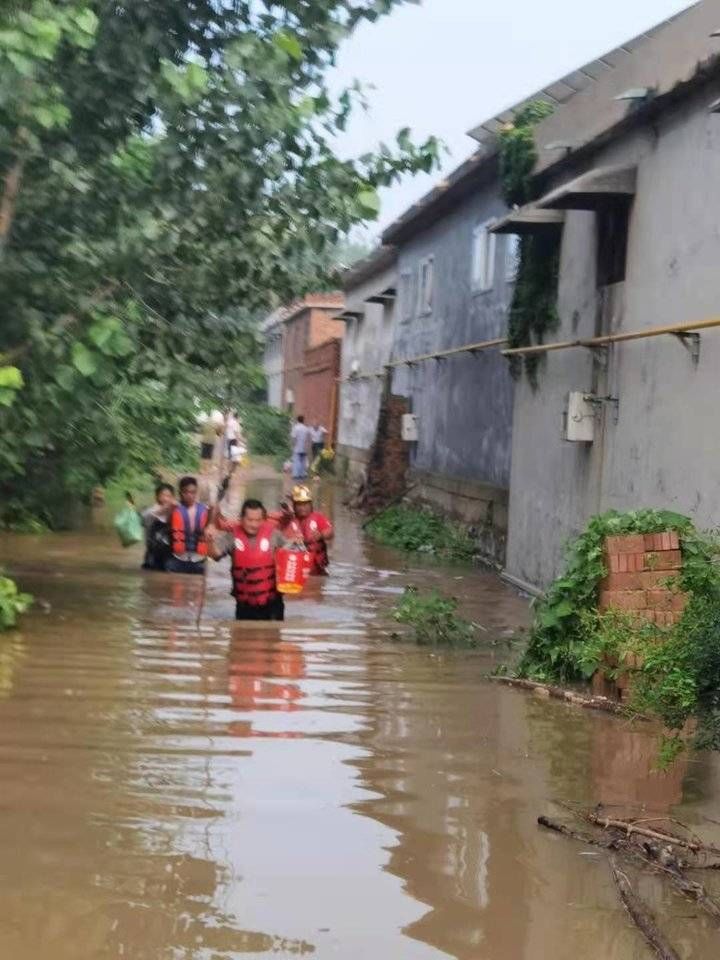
{"x": 310, "y": 789}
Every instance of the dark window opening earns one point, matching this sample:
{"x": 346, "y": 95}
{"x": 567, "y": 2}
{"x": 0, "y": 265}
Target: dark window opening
{"x": 613, "y": 222}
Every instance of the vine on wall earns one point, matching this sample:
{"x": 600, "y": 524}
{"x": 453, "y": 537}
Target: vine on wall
{"x": 533, "y": 312}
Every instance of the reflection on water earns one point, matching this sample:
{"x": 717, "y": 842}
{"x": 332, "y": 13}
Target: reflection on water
{"x": 306, "y": 789}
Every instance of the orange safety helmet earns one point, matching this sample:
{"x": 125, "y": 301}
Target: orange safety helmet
{"x": 301, "y": 494}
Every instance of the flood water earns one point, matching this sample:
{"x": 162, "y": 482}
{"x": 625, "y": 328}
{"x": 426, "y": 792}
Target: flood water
{"x": 306, "y": 789}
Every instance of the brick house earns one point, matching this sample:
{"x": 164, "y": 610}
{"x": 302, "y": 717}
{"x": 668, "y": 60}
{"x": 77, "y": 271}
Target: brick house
{"x": 302, "y": 357}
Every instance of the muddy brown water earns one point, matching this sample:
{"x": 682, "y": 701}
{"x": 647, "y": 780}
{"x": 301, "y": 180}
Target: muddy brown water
{"x": 310, "y": 790}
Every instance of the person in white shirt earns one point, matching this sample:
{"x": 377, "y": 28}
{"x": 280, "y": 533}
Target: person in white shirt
{"x": 301, "y": 437}
{"x": 232, "y": 430}
{"x": 318, "y": 434}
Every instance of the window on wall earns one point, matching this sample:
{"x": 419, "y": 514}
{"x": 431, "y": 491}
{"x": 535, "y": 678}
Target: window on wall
{"x": 425, "y": 286}
{"x": 483, "y": 257}
{"x": 512, "y": 257}
{"x": 613, "y": 224}
{"x": 406, "y": 296}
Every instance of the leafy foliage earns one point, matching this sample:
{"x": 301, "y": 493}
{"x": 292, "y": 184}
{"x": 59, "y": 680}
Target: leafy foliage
{"x": 533, "y": 312}
{"x": 517, "y": 153}
{"x": 434, "y": 619}
{"x": 422, "y": 531}
{"x": 267, "y": 430}
{"x": 12, "y": 603}
{"x": 167, "y": 175}
{"x": 679, "y": 674}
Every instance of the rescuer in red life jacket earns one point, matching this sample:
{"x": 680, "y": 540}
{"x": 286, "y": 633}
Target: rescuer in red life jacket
{"x": 188, "y": 521}
{"x": 316, "y": 528}
{"x": 255, "y": 539}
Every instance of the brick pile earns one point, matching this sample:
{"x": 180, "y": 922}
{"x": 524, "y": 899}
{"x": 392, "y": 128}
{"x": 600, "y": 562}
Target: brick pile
{"x": 639, "y": 568}
{"x": 390, "y": 455}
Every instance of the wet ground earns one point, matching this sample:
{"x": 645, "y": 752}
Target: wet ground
{"x": 311, "y": 790}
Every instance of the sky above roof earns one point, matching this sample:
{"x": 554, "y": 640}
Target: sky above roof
{"x": 444, "y": 66}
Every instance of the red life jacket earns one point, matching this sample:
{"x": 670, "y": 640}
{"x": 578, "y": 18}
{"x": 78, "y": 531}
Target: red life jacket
{"x": 253, "y": 566}
{"x": 316, "y": 548}
{"x": 187, "y": 537}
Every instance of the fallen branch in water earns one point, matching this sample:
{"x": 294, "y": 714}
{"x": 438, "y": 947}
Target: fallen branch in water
{"x": 568, "y": 696}
{"x": 630, "y": 827}
{"x": 565, "y": 831}
{"x": 646, "y": 856}
{"x": 641, "y": 916}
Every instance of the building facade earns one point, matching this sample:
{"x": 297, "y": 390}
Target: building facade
{"x": 640, "y": 247}
{"x": 455, "y": 284}
{"x": 370, "y": 289}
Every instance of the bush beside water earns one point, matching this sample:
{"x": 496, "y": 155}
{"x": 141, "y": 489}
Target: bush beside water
{"x": 422, "y": 531}
{"x": 12, "y": 603}
{"x": 678, "y": 679}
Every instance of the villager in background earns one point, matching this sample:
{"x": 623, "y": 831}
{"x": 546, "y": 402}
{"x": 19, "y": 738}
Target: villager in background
{"x": 188, "y": 522}
{"x": 156, "y": 520}
{"x": 317, "y": 435}
{"x": 232, "y": 431}
{"x": 316, "y": 529}
{"x": 301, "y": 437}
{"x": 208, "y": 436}
{"x": 254, "y": 539}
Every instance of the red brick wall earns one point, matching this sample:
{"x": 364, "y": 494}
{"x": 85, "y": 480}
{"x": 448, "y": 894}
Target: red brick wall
{"x": 323, "y": 327}
{"x": 640, "y": 567}
{"x": 309, "y": 326}
{"x": 389, "y": 458}
{"x": 317, "y": 399}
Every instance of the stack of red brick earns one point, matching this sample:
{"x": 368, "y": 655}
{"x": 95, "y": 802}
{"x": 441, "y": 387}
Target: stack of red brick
{"x": 640, "y": 567}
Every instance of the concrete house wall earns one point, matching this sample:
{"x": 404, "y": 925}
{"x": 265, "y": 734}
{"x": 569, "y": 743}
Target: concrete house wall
{"x": 461, "y": 462}
{"x": 660, "y": 448}
{"x": 366, "y": 349}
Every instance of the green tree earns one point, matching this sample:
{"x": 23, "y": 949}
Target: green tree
{"x": 167, "y": 174}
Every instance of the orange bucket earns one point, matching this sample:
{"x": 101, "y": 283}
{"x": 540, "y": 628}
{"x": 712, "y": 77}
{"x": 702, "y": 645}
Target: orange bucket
{"x": 292, "y": 568}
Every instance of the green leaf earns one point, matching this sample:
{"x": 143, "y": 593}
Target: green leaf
{"x": 197, "y": 77}
{"x": 368, "y": 203}
{"x": 121, "y": 345}
{"x": 84, "y": 361}
{"x": 65, "y": 376}
{"x": 11, "y": 378}
{"x": 87, "y": 21}
{"x": 289, "y": 43}
{"x": 24, "y": 65}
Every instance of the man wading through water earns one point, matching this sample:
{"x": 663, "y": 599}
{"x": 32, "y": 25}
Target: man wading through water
{"x": 187, "y": 527}
{"x": 316, "y": 528}
{"x": 255, "y": 538}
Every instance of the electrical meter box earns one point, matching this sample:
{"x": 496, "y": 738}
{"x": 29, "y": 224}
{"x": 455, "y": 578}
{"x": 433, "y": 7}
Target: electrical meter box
{"x": 409, "y": 428}
{"x": 580, "y": 418}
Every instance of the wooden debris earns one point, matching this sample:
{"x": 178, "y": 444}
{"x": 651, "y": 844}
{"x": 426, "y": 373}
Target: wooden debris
{"x": 643, "y": 854}
{"x": 633, "y": 827}
{"x": 641, "y": 916}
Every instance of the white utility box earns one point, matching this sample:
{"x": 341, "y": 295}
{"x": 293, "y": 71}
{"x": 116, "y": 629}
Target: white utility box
{"x": 409, "y": 428}
{"x": 580, "y": 418}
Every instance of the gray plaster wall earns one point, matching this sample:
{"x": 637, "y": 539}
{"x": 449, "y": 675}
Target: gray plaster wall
{"x": 463, "y": 404}
{"x": 367, "y": 343}
{"x": 662, "y": 449}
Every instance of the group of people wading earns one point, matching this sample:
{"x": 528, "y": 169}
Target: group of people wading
{"x": 182, "y": 535}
